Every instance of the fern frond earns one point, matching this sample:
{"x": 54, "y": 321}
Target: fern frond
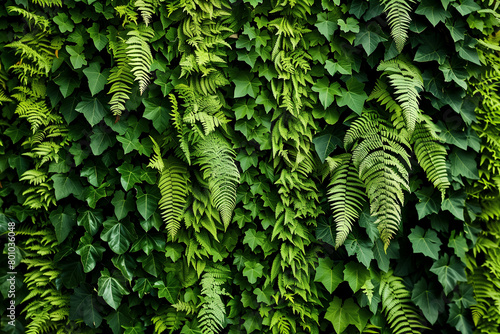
{"x": 398, "y": 15}
{"x": 156, "y": 161}
{"x": 147, "y": 9}
{"x": 48, "y": 3}
{"x": 212, "y": 313}
{"x": 431, "y": 156}
{"x": 37, "y": 20}
{"x": 139, "y": 53}
{"x": 173, "y": 189}
{"x": 186, "y": 307}
{"x": 382, "y": 161}
{"x": 120, "y": 76}
{"x": 181, "y": 129}
{"x": 346, "y": 197}
{"x": 396, "y": 302}
{"x": 407, "y": 83}
{"x": 219, "y": 169}
{"x": 34, "y": 176}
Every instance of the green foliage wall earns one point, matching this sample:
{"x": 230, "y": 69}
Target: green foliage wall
{"x": 251, "y": 166}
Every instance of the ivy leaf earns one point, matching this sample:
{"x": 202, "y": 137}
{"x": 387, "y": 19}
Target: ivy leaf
{"x": 350, "y": 24}
{"x": 147, "y": 203}
{"x": 326, "y": 144}
{"x": 63, "y": 22}
{"x": 454, "y": 73}
{"x": 112, "y": 288}
{"x": 428, "y": 202}
{"x": 425, "y": 242}
{"x": 130, "y": 175}
{"x": 142, "y": 286}
{"x": 253, "y": 238}
{"x": 457, "y": 30}
{"x": 459, "y": 245}
{"x": 326, "y": 91}
{"x": 380, "y": 255}
{"x": 354, "y": 96}
{"x": 95, "y": 174}
{"x": 92, "y": 109}
{"x": 362, "y": 249}
{"x": 253, "y": 322}
{"x": 149, "y": 242}
{"x": 246, "y": 84}
{"x": 466, "y": 7}
{"x": 100, "y": 39}
{"x": 435, "y": 13}
{"x": 91, "y": 220}
{"x": 328, "y": 274}
{"x": 67, "y": 82}
{"x": 325, "y": 232}
{"x": 122, "y": 205}
{"x": 326, "y": 24}
{"x": 77, "y": 57}
{"x": 356, "y": 275}
{"x": 118, "y": 319}
{"x": 63, "y": 221}
{"x": 455, "y": 204}
{"x": 428, "y": 299}
{"x": 449, "y": 270}
{"x": 369, "y": 37}
{"x": 464, "y": 164}
{"x": 457, "y": 138}
{"x": 126, "y": 264}
{"x": 100, "y": 140}
{"x": 118, "y": 235}
{"x": 169, "y": 291}
{"x": 153, "y": 263}
{"x": 341, "y": 316}
{"x": 83, "y": 304}
{"x": 157, "y": 112}
{"x": 65, "y": 185}
{"x": 342, "y": 66}
{"x": 253, "y": 270}
{"x": 90, "y": 253}
{"x": 429, "y": 52}
{"x": 97, "y": 79}
{"x": 459, "y": 320}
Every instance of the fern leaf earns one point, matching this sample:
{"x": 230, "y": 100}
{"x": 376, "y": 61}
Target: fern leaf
{"x": 219, "y": 169}
{"x": 156, "y": 161}
{"x": 147, "y": 9}
{"x": 346, "y": 197}
{"x": 398, "y": 15}
{"x": 213, "y": 310}
{"x": 431, "y": 156}
{"x": 173, "y": 189}
{"x": 380, "y": 157}
{"x": 407, "y": 83}
{"x": 139, "y": 53}
{"x": 396, "y": 302}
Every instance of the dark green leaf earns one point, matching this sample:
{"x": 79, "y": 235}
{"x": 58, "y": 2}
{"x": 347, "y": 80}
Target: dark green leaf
{"x": 97, "y": 79}
{"x": 328, "y": 274}
{"x": 84, "y": 305}
{"x": 326, "y": 91}
{"x": 170, "y": 290}
{"x": 449, "y": 270}
{"x": 63, "y": 221}
{"x": 65, "y": 185}
{"x": 326, "y": 144}
{"x": 425, "y": 242}
{"x": 92, "y": 109}
{"x": 428, "y": 298}
{"x": 123, "y": 205}
{"x": 118, "y": 235}
{"x": 112, "y": 288}
{"x": 90, "y": 253}
{"x": 147, "y": 203}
